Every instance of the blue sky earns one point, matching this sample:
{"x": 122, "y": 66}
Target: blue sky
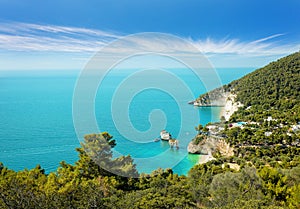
{"x": 64, "y": 34}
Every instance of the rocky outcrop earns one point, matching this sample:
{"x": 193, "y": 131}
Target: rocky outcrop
{"x": 224, "y": 148}
{"x": 224, "y": 97}
{"x": 197, "y": 148}
{"x": 217, "y": 97}
{"x": 174, "y": 143}
{"x": 210, "y": 145}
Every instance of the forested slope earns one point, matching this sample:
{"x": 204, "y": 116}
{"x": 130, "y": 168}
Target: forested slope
{"x": 275, "y": 85}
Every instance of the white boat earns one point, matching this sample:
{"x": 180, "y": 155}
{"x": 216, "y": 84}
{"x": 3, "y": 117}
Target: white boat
{"x": 164, "y": 135}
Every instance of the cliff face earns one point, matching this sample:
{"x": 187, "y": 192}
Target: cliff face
{"x": 197, "y": 148}
{"x": 215, "y": 97}
{"x": 231, "y": 105}
{"x": 224, "y": 148}
{"x": 210, "y": 145}
{"x": 218, "y": 97}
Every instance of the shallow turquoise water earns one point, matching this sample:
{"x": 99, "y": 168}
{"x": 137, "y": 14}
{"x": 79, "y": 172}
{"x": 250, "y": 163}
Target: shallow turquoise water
{"x": 36, "y": 125}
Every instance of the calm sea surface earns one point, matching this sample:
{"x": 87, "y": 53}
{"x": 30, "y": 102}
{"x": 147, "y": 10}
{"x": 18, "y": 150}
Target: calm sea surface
{"x": 36, "y": 124}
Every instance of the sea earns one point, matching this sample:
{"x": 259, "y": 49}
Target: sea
{"x": 37, "y": 124}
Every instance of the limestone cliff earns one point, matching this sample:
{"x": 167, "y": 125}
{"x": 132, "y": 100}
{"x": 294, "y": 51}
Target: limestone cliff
{"x": 210, "y": 145}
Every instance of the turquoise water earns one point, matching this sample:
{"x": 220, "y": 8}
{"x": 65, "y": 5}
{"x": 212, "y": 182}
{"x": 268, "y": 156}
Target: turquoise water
{"x": 36, "y": 124}
{"x": 241, "y": 123}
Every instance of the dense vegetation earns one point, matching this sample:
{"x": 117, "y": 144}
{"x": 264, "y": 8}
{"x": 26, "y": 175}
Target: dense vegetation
{"x": 271, "y": 98}
{"x": 271, "y": 137}
{"x": 275, "y": 86}
{"x": 271, "y": 91}
{"x": 86, "y": 185}
{"x": 269, "y": 174}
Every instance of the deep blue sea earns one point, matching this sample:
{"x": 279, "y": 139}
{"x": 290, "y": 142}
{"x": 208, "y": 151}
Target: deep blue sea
{"x": 36, "y": 123}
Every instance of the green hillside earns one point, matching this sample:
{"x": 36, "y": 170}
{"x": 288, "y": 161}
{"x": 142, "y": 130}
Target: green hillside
{"x": 268, "y": 137}
{"x": 275, "y": 87}
{"x": 271, "y": 98}
{"x": 271, "y": 85}
{"x": 271, "y": 90}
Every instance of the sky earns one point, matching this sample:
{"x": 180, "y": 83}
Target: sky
{"x": 65, "y": 34}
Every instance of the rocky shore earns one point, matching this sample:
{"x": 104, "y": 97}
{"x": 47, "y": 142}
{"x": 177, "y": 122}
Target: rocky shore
{"x": 208, "y": 146}
{"x": 214, "y": 143}
{"x": 219, "y": 97}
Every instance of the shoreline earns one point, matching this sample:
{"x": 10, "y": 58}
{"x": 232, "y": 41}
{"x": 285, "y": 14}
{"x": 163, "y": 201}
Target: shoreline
{"x": 227, "y": 111}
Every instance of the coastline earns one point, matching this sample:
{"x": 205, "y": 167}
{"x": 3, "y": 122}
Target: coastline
{"x": 227, "y": 110}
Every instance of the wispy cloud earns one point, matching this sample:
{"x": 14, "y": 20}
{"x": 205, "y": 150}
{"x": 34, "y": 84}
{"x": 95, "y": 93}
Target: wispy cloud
{"x": 34, "y": 37}
{"x": 260, "y": 47}
{"x": 17, "y": 36}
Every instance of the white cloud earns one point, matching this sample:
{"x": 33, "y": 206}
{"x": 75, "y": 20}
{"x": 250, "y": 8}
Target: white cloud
{"x": 33, "y": 37}
{"x": 19, "y": 37}
{"x": 261, "y": 47}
